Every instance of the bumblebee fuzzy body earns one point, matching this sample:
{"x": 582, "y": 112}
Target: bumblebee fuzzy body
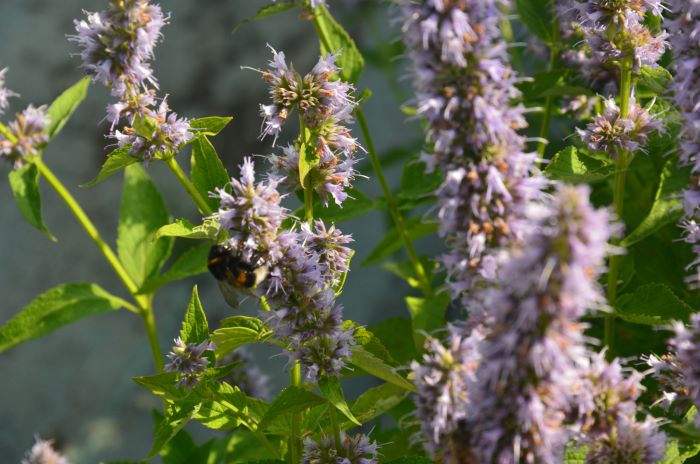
{"x": 233, "y": 272}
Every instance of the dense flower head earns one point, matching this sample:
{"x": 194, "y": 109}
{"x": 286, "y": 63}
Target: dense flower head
{"x": 354, "y": 449}
{"x": 464, "y": 88}
{"x": 325, "y": 105}
{"x": 159, "y": 133}
{"x": 684, "y": 24}
{"x": 305, "y": 313}
{"x": 251, "y": 211}
{"x": 608, "y": 416}
{"x": 522, "y": 391}
{"x": 117, "y": 44}
{"x": 5, "y": 93}
{"x": 441, "y": 377}
{"x": 42, "y": 452}
{"x": 611, "y": 133}
{"x": 188, "y": 361}
{"x": 245, "y": 374}
{"x": 28, "y": 134}
{"x": 328, "y": 243}
{"x": 685, "y": 346}
{"x": 614, "y": 31}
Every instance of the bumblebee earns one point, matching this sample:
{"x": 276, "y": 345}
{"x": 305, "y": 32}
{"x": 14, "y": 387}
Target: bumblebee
{"x": 233, "y": 272}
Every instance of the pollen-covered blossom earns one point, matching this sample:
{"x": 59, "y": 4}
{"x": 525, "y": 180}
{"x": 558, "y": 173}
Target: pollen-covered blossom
{"x": 523, "y": 388}
{"x": 443, "y": 399}
{"x": 5, "y": 93}
{"x": 117, "y": 44}
{"x": 354, "y": 449}
{"x": 303, "y": 270}
{"x": 464, "y": 88}
{"x": 613, "y": 134}
{"x": 160, "y": 133}
{"x": 28, "y": 134}
{"x": 42, "y": 452}
{"x": 684, "y": 24}
{"x": 246, "y": 375}
{"x": 614, "y": 31}
{"x": 325, "y": 107}
{"x": 608, "y": 416}
{"x": 188, "y": 361}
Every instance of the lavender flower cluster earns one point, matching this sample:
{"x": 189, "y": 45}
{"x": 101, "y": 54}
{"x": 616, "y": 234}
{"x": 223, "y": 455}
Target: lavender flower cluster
{"x": 464, "y": 86}
{"x": 357, "y": 449}
{"x": 117, "y": 46}
{"x": 684, "y": 21}
{"x": 305, "y": 266}
{"x": 523, "y": 384}
{"x": 188, "y": 361}
{"x": 325, "y": 105}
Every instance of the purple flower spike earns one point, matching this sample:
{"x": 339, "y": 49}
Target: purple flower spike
{"x": 686, "y": 348}
{"x": 464, "y": 89}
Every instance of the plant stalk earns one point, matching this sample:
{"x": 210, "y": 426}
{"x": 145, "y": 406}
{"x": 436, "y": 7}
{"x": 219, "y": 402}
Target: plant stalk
{"x": 333, "y": 416}
{"x": 294, "y": 439}
{"x": 549, "y": 100}
{"x": 621, "y": 165}
{"x": 198, "y": 199}
{"x": 143, "y": 301}
{"x": 393, "y": 208}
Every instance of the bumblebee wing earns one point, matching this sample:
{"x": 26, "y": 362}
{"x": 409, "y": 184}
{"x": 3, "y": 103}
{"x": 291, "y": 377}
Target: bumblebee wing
{"x": 230, "y": 294}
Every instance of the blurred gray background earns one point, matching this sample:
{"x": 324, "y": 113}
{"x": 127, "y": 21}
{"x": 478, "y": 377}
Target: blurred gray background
{"x": 75, "y": 385}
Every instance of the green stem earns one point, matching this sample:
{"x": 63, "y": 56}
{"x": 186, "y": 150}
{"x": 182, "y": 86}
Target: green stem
{"x": 333, "y": 416}
{"x": 393, "y": 208}
{"x": 143, "y": 301}
{"x": 621, "y": 165}
{"x": 549, "y": 100}
{"x": 308, "y": 204}
{"x": 294, "y": 439}
{"x": 198, "y": 199}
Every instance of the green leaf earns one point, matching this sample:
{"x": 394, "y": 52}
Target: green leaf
{"x": 376, "y": 401}
{"x": 267, "y": 11}
{"x": 190, "y": 263}
{"x": 24, "y": 182}
{"x": 416, "y": 183}
{"x": 237, "y": 331}
{"x": 575, "y": 454}
{"x": 116, "y": 161}
{"x": 654, "y": 81}
{"x": 308, "y": 159}
{"x": 55, "y": 308}
{"x": 406, "y": 271}
{"x": 63, "y": 107}
{"x": 652, "y": 304}
{"x": 538, "y": 16}
{"x": 163, "y": 386}
{"x": 377, "y": 367}
{"x": 666, "y": 208}
{"x": 411, "y": 460}
{"x": 244, "y": 447}
{"x": 396, "y": 334}
{"x": 207, "y": 172}
{"x": 290, "y": 400}
{"x": 210, "y": 125}
{"x": 194, "y": 326}
{"x": 142, "y": 214}
{"x": 392, "y": 243}
{"x": 427, "y": 314}
{"x": 678, "y": 452}
{"x": 571, "y": 165}
{"x": 333, "y": 392}
{"x": 185, "y": 229}
{"x": 175, "y": 419}
{"x": 226, "y": 409}
{"x": 350, "y": 61}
